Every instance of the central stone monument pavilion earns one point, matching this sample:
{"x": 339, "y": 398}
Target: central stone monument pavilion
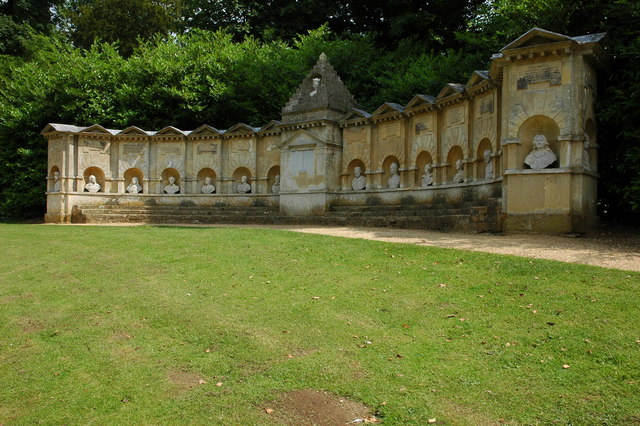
{"x": 512, "y": 149}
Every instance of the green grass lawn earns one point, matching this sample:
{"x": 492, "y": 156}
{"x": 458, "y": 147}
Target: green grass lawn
{"x": 112, "y": 325}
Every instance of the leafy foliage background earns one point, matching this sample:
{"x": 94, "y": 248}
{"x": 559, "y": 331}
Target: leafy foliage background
{"x": 185, "y": 63}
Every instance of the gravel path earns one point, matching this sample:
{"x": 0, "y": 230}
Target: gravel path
{"x": 607, "y": 249}
{"x": 617, "y": 248}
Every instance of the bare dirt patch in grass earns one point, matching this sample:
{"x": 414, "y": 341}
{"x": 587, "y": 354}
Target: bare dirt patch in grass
{"x": 183, "y": 380}
{"x": 312, "y": 407}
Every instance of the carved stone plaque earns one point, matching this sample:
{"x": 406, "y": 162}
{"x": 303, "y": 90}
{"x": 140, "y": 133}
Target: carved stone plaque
{"x": 390, "y": 130}
{"x": 455, "y": 116}
{"x": 539, "y": 73}
{"x": 169, "y": 149}
{"x": 92, "y": 146}
{"x": 208, "y": 148}
{"x": 132, "y": 148}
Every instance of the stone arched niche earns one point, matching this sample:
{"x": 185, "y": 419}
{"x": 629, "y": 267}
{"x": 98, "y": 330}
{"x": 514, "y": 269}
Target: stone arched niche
{"x": 455, "y": 154}
{"x": 170, "y": 173}
{"x": 237, "y": 179}
{"x": 203, "y": 174}
{"x": 129, "y": 174}
{"x": 55, "y": 185}
{"x": 481, "y": 163}
{"x": 538, "y": 125}
{"x": 350, "y": 171}
{"x": 99, "y": 175}
{"x": 386, "y": 167}
{"x": 271, "y": 178}
{"x": 422, "y": 160}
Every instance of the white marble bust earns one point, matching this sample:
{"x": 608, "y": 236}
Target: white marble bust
{"x": 488, "y": 164}
{"x": 134, "y": 187}
{"x": 394, "y": 180}
{"x": 359, "y": 181}
{"x": 541, "y": 156}
{"x": 276, "y": 185}
{"x": 316, "y": 84}
{"x": 93, "y": 185}
{"x": 57, "y": 183}
{"x": 244, "y": 187}
{"x": 172, "y": 188}
{"x": 208, "y": 187}
{"x": 427, "y": 177}
{"x": 459, "y": 176}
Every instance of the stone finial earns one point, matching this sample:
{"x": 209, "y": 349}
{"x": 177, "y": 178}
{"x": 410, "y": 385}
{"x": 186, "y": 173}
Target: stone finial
{"x": 321, "y": 95}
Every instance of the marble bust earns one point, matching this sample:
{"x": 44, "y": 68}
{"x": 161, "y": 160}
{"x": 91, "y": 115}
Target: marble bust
{"x": 208, "y": 187}
{"x": 93, "y": 185}
{"x": 541, "y": 156}
{"x": 316, "y": 84}
{"x": 359, "y": 181}
{"x": 57, "y": 183}
{"x": 488, "y": 164}
{"x": 394, "y": 180}
{"x": 172, "y": 188}
{"x": 427, "y": 177}
{"x": 244, "y": 187}
{"x": 459, "y": 176}
{"x": 134, "y": 187}
{"x": 276, "y": 185}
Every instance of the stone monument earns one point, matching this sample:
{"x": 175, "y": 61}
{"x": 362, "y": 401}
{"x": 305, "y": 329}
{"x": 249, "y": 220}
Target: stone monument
{"x": 530, "y": 116}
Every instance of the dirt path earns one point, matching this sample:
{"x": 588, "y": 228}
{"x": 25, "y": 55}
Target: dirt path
{"x": 610, "y": 248}
{"x": 606, "y": 249}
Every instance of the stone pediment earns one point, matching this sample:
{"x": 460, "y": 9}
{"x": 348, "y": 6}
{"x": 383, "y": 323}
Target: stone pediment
{"x": 450, "y": 89}
{"x": 302, "y": 138}
{"x": 170, "y": 130}
{"x": 271, "y": 127}
{"x": 205, "y": 130}
{"x": 356, "y": 114}
{"x": 419, "y": 100}
{"x": 240, "y": 128}
{"x": 96, "y": 128}
{"x": 55, "y": 127}
{"x": 536, "y": 37}
{"x": 477, "y": 77}
{"x": 133, "y": 130}
{"x": 321, "y": 95}
{"x": 388, "y": 108}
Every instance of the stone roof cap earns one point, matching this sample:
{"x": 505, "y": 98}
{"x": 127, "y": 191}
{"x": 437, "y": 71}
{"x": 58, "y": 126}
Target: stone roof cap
{"x": 330, "y": 93}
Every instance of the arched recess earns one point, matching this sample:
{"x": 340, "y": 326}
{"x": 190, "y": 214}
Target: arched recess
{"x": 52, "y": 182}
{"x": 237, "y": 178}
{"x": 481, "y": 164}
{"x": 592, "y": 144}
{"x": 171, "y": 172}
{"x": 271, "y": 177}
{"x": 98, "y": 173}
{"x": 129, "y": 174}
{"x": 422, "y": 160}
{"x": 202, "y": 175}
{"x": 538, "y": 125}
{"x": 386, "y": 165}
{"x": 455, "y": 154}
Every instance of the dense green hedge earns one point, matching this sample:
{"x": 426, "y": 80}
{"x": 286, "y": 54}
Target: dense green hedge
{"x": 207, "y": 77}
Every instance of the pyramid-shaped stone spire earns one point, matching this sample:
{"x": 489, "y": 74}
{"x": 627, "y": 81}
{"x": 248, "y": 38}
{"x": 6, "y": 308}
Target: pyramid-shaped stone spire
{"x": 321, "y": 95}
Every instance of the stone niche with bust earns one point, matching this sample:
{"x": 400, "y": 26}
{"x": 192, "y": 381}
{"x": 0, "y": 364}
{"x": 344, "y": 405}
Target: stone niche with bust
{"x": 514, "y": 148}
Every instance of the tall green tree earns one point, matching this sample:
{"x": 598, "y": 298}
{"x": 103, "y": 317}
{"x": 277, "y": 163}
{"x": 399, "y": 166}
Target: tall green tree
{"x": 124, "y": 22}
{"x": 20, "y": 19}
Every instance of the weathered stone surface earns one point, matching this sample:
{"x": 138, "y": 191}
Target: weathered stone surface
{"x": 512, "y": 149}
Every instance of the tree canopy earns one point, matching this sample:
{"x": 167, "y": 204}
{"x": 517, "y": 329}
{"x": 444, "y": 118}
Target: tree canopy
{"x": 153, "y": 63}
